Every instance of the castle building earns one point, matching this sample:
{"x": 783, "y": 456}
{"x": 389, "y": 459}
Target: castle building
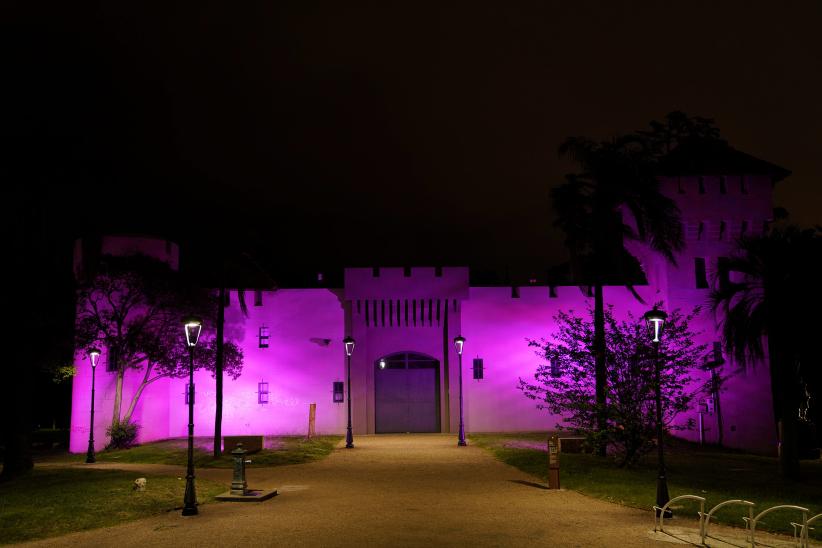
{"x": 404, "y": 368}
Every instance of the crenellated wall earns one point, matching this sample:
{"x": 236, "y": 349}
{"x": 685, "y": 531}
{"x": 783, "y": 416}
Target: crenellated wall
{"x": 396, "y": 311}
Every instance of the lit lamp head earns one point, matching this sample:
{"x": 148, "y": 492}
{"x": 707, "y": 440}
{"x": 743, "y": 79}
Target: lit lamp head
{"x": 193, "y": 327}
{"x": 94, "y": 356}
{"x": 382, "y": 363}
{"x": 349, "y": 346}
{"x": 655, "y": 321}
{"x": 459, "y": 342}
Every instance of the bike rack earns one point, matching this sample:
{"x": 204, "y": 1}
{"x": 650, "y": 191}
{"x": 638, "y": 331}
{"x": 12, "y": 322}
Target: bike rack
{"x": 804, "y": 530}
{"x": 804, "y": 525}
{"x": 703, "y": 532}
{"x": 661, "y": 511}
{"x": 801, "y": 531}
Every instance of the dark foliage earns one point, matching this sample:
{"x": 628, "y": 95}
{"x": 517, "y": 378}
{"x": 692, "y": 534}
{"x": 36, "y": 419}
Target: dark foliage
{"x": 769, "y": 311}
{"x": 122, "y": 434}
{"x": 564, "y": 384}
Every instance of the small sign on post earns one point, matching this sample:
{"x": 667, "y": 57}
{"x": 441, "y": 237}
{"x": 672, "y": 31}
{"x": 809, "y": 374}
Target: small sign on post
{"x": 312, "y": 419}
{"x": 553, "y": 462}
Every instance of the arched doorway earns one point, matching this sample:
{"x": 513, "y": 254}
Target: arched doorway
{"x": 407, "y": 393}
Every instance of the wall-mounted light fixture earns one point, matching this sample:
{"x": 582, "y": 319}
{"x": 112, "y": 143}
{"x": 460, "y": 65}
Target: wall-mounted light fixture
{"x": 382, "y": 363}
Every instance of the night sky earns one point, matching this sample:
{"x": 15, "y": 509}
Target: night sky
{"x": 341, "y": 133}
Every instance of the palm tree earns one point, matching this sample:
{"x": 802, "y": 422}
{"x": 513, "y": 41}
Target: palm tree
{"x": 241, "y": 269}
{"x": 769, "y": 309}
{"x": 616, "y": 177}
{"x": 219, "y": 358}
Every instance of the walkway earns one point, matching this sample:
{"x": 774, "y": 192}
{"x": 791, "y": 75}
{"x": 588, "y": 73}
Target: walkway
{"x": 398, "y": 490}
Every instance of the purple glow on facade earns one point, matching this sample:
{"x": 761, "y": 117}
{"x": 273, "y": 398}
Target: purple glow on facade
{"x": 422, "y": 311}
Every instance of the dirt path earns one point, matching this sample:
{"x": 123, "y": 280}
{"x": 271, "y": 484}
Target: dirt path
{"x": 399, "y": 490}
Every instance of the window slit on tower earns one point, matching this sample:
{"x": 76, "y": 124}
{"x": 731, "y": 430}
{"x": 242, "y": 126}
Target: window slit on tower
{"x": 399, "y": 322}
{"x": 430, "y": 313}
{"x": 366, "y": 313}
{"x": 375, "y": 312}
{"x": 391, "y": 313}
{"x": 438, "y": 312}
{"x": 382, "y": 312}
{"x": 414, "y": 311}
{"x": 406, "y": 312}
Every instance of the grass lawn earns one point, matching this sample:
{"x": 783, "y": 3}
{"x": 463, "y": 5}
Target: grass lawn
{"x": 708, "y": 472}
{"x": 56, "y": 501}
{"x": 289, "y": 450}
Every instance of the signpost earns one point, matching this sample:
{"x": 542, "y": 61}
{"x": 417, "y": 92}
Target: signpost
{"x": 553, "y": 462}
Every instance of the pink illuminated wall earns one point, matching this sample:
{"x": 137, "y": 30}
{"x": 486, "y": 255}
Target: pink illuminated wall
{"x": 391, "y": 310}
{"x": 496, "y": 326}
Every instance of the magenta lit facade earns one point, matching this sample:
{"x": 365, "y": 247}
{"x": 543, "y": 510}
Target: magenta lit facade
{"x": 396, "y": 311}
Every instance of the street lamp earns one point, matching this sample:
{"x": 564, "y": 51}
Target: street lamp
{"x": 459, "y": 342}
{"x": 349, "y": 349}
{"x": 655, "y": 322}
{"x": 93, "y": 356}
{"x": 193, "y": 326}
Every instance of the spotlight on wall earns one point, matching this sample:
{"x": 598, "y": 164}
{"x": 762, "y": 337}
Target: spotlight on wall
{"x": 382, "y": 363}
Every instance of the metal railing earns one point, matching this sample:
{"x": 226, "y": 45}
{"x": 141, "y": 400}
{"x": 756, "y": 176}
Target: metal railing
{"x": 804, "y": 530}
{"x": 660, "y": 512}
{"x": 703, "y": 533}
{"x": 801, "y": 529}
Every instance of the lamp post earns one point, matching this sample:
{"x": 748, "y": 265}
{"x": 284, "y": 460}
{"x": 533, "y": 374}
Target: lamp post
{"x": 93, "y": 356}
{"x": 349, "y": 349}
{"x": 655, "y": 321}
{"x": 193, "y": 326}
{"x": 459, "y": 342}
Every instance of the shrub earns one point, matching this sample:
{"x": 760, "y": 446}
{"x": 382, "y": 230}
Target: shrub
{"x": 122, "y": 434}
{"x": 564, "y": 382}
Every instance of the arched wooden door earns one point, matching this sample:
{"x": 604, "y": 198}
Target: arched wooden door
{"x": 407, "y": 393}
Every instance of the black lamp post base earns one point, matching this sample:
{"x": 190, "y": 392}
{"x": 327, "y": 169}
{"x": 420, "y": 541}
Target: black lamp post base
{"x": 90, "y": 459}
{"x": 462, "y": 443}
{"x": 662, "y": 496}
{"x": 190, "y": 498}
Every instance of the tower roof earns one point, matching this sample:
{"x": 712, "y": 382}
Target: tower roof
{"x": 716, "y": 157}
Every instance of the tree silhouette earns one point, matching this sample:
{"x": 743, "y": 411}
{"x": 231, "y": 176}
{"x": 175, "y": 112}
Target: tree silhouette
{"x": 768, "y": 308}
{"x": 562, "y": 382}
{"x": 133, "y": 307}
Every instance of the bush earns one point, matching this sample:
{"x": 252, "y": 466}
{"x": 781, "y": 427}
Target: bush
{"x": 122, "y": 434}
{"x": 564, "y": 383}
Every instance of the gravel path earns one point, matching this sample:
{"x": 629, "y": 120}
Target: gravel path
{"x": 390, "y": 490}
